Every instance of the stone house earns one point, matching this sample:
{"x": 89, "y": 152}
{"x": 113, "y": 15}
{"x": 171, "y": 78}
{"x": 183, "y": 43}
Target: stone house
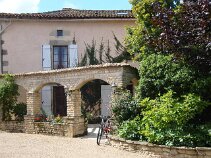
{"x": 32, "y": 42}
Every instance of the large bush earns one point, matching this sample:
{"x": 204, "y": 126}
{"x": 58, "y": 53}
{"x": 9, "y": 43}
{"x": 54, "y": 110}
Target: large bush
{"x": 172, "y": 43}
{"x": 160, "y": 73}
{"x": 167, "y": 120}
{"x": 8, "y": 96}
{"x": 130, "y": 129}
{"x": 124, "y": 107}
{"x": 19, "y": 110}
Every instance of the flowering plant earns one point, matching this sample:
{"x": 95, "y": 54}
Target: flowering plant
{"x": 39, "y": 118}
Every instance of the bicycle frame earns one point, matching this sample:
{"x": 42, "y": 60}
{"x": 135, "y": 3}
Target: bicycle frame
{"x": 104, "y": 128}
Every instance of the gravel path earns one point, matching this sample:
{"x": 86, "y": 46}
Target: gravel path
{"x": 19, "y": 145}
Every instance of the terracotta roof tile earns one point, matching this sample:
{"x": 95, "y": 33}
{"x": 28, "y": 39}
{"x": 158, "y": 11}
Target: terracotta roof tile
{"x": 68, "y": 13}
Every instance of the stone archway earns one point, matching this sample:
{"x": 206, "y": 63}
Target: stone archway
{"x": 93, "y": 99}
{"x": 72, "y": 79}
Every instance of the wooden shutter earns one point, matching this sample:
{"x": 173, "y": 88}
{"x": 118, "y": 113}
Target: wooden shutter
{"x": 46, "y": 57}
{"x": 73, "y": 55}
{"x": 46, "y": 91}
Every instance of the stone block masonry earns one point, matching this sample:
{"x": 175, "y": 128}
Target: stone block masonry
{"x": 72, "y": 79}
{"x": 12, "y": 126}
{"x": 160, "y": 150}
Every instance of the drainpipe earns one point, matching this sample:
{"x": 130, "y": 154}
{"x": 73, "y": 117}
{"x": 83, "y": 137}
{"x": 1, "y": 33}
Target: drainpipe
{"x": 1, "y": 52}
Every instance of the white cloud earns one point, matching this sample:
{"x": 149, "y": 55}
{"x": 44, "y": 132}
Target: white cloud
{"x": 19, "y": 6}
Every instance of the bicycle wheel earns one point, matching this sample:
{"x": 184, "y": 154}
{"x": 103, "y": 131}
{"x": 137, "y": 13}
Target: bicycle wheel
{"x": 99, "y": 135}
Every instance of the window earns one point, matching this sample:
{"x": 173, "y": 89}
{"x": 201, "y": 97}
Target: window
{"x": 60, "y": 57}
{"x": 59, "y": 33}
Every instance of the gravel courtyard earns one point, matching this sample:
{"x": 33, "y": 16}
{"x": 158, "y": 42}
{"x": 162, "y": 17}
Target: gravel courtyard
{"x": 19, "y": 145}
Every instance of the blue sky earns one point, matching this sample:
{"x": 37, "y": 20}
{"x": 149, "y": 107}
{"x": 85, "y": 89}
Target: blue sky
{"x": 28, "y": 6}
{"x": 83, "y": 4}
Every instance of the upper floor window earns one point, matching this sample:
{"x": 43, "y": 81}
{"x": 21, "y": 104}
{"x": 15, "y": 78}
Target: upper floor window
{"x": 60, "y": 57}
{"x": 60, "y": 33}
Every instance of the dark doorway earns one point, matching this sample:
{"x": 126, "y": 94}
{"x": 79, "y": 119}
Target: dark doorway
{"x": 59, "y": 101}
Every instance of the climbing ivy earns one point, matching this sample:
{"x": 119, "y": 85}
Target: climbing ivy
{"x": 94, "y": 56}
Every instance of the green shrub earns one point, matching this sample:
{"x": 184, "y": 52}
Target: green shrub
{"x": 161, "y": 73}
{"x": 124, "y": 107}
{"x": 130, "y": 129}
{"x": 19, "y": 111}
{"x": 8, "y": 96}
{"x": 166, "y": 120}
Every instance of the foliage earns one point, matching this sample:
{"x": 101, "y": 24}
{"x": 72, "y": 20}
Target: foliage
{"x": 172, "y": 43}
{"x": 124, "y": 107}
{"x": 58, "y": 119}
{"x": 166, "y": 119}
{"x": 167, "y": 27}
{"x": 91, "y": 53}
{"x": 19, "y": 111}
{"x": 167, "y": 111}
{"x": 40, "y": 118}
{"x": 8, "y": 96}
{"x": 202, "y": 87}
{"x": 130, "y": 129}
{"x": 161, "y": 73}
{"x": 94, "y": 56}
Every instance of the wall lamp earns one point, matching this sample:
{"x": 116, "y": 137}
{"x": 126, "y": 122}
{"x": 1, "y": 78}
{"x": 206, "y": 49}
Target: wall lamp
{"x": 114, "y": 87}
{"x": 67, "y": 92}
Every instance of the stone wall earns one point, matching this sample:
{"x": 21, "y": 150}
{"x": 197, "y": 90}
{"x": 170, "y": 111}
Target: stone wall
{"x": 12, "y": 126}
{"x": 48, "y": 128}
{"x": 58, "y": 129}
{"x": 70, "y": 127}
{"x": 160, "y": 151}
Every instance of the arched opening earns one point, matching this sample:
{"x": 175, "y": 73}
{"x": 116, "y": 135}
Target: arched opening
{"x": 53, "y": 100}
{"x": 96, "y": 96}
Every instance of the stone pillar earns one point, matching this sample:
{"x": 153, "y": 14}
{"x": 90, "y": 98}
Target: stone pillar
{"x": 33, "y": 108}
{"x": 33, "y": 103}
{"x": 74, "y": 117}
{"x": 74, "y": 103}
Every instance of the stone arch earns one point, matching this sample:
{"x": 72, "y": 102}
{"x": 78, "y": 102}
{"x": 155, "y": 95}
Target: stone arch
{"x": 82, "y": 82}
{"x": 95, "y": 97}
{"x": 130, "y": 86}
{"x": 38, "y": 87}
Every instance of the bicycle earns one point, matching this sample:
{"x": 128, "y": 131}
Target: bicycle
{"x": 104, "y": 128}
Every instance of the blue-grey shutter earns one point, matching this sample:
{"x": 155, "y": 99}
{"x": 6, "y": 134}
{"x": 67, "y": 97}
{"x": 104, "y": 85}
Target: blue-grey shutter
{"x": 73, "y": 55}
{"x": 46, "y": 92}
{"x": 46, "y": 57}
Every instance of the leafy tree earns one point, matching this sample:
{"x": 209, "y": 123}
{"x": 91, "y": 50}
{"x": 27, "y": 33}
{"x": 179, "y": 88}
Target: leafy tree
{"x": 160, "y": 73}
{"x": 8, "y": 96}
{"x": 183, "y": 30}
{"x": 124, "y": 107}
{"x": 172, "y": 43}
